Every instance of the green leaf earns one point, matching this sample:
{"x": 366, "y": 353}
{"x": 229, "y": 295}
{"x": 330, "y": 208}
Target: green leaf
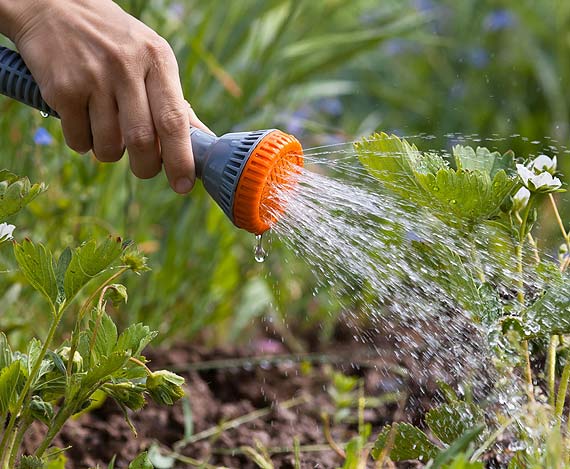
{"x": 461, "y": 461}
{"x": 61, "y": 268}
{"x": 165, "y": 387}
{"x": 31, "y": 462}
{"x": 135, "y": 338}
{"x": 483, "y": 160}
{"x": 460, "y": 445}
{"x": 11, "y": 382}
{"x": 449, "y": 421}
{"x": 41, "y": 410}
{"x": 127, "y": 393}
{"x": 88, "y": 261}
{"x": 15, "y": 193}
{"x": 103, "y": 370}
{"x": 117, "y": 293}
{"x": 550, "y": 314}
{"x": 105, "y": 331}
{"x": 36, "y": 263}
{"x": 408, "y": 442}
{"x": 141, "y": 462}
{"x": 6, "y": 356}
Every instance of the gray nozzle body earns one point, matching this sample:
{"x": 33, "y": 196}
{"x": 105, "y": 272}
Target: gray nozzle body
{"x": 220, "y": 161}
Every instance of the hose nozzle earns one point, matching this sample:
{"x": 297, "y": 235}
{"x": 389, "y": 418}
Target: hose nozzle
{"x": 242, "y": 170}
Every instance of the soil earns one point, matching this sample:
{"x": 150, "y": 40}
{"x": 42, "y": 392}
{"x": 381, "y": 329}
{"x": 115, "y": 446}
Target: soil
{"x": 229, "y": 383}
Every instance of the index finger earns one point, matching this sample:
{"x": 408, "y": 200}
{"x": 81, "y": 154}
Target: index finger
{"x": 170, "y": 116}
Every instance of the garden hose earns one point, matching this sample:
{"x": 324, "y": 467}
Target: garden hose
{"x": 239, "y": 170}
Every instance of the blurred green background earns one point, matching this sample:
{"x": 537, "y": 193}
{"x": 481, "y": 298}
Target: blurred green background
{"x": 328, "y": 71}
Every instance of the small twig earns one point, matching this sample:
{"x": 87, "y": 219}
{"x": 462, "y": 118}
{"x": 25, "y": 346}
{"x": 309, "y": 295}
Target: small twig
{"x": 330, "y": 440}
{"x": 234, "y": 423}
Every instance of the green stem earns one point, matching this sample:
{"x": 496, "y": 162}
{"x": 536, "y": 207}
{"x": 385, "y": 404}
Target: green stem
{"x": 19, "y": 438}
{"x": 561, "y": 396}
{"x": 565, "y": 234}
{"x": 27, "y": 386}
{"x": 64, "y": 413}
{"x": 551, "y": 370}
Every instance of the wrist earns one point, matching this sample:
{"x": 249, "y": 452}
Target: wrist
{"x": 16, "y": 16}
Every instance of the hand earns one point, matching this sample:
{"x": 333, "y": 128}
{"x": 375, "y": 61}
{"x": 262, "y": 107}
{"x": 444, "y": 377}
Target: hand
{"x": 113, "y": 81}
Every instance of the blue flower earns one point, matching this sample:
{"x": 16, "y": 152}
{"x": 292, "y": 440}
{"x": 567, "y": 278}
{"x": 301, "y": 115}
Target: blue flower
{"x": 498, "y": 20}
{"x": 478, "y": 57}
{"x": 42, "y": 137}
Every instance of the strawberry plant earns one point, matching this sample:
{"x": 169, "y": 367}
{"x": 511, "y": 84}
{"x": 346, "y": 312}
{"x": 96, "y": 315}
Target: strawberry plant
{"x": 492, "y": 201}
{"x": 50, "y": 382}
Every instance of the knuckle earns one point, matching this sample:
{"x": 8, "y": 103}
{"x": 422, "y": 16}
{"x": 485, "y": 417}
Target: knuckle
{"x": 108, "y": 153}
{"x": 140, "y": 138}
{"x": 172, "y": 122}
{"x": 158, "y": 48}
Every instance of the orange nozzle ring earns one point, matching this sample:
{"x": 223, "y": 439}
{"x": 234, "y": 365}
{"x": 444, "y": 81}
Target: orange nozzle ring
{"x": 272, "y": 162}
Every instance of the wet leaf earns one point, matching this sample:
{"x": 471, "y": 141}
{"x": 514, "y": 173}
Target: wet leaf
{"x": 449, "y": 421}
{"x": 461, "y": 461}
{"x": 550, "y": 314}
{"x": 408, "y": 442}
{"x": 460, "y": 445}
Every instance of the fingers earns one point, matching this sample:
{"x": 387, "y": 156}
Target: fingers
{"x": 138, "y": 131}
{"x": 76, "y": 127}
{"x": 171, "y": 120}
{"x": 108, "y": 145}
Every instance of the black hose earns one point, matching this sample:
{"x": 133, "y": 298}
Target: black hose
{"x": 17, "y": 82}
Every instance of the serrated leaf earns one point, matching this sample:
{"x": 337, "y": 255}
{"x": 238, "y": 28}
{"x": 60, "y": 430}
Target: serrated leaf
{"x": 407, "y": 442}
{"x": 11, "y": 379}
{"x": 141, "y": 462}
{"x": 6, "y": 357}
{"x": 60, "y": 269}
{"x": 15, "y": 193}
{"x": 88, "y": 261}
{"x": 104, "y": 369}
{"x": 36, "y": 263}
{"x": 483, "y": 160}
{"x": 105, "y": 332}
{"x": 460, "y": 445}
{"x": 126, "y": 393}
{"x": 135, "y": 338}
{"x": 31, "y": 462}
{"x": 34, "y": 349}
{"x": 449, "y": 421}
{"x": 117, "y": 293}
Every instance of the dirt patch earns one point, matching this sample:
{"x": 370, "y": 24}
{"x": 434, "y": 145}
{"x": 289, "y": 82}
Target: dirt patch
{"x": 226, "y": 384}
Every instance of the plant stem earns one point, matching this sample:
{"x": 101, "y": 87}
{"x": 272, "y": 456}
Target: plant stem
{"x": 19, "y": 437}
{"x": 138, "y": 362}
{"x": 330, "y": 440}
{"x": 551, "y": 370}
{"x": 64, "y": 413}
{"x": 561, "y": 396}
{"x": 562, "y": 229}
{"x": 27, "y": 386}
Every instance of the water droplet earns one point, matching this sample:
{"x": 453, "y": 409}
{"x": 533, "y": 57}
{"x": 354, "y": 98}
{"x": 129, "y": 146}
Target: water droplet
{"x": 44, "y": 114}
{"x": 258, "y": 251}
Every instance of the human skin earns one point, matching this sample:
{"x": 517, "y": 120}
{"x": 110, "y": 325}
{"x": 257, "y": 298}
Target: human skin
{"x": 113, "y": 81}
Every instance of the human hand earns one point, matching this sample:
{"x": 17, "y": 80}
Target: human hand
{"x": 113, "y": 81}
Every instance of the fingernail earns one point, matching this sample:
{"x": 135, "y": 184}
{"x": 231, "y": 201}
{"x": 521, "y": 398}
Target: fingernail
{"x": 183, "y": 185}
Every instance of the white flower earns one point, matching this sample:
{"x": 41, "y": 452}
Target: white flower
{"x": 521, "y": 198}
{"x": 6, "y": 231}
{"x": 543, "y": 182}
{"x": 543, "y": 163}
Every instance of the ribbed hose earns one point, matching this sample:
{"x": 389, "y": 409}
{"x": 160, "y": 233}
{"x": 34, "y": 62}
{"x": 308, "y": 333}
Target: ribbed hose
{"x": 17, "y": 82}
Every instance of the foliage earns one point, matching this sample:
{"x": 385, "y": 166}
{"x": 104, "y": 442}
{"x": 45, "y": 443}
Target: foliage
{"x": 486, "y": 191}
{"x": 50, "y": 384}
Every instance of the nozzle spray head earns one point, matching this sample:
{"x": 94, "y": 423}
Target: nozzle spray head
{"x": 241, "y": 171}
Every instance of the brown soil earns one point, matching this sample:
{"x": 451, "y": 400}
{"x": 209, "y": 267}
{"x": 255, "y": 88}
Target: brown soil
{"x": 225, "y": 384}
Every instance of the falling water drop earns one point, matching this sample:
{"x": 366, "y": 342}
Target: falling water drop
{"x": 44, "y": 114}
{"x": 259, "y": 252}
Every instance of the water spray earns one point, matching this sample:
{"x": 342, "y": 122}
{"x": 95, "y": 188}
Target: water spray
{"x": 239, "y": 170}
